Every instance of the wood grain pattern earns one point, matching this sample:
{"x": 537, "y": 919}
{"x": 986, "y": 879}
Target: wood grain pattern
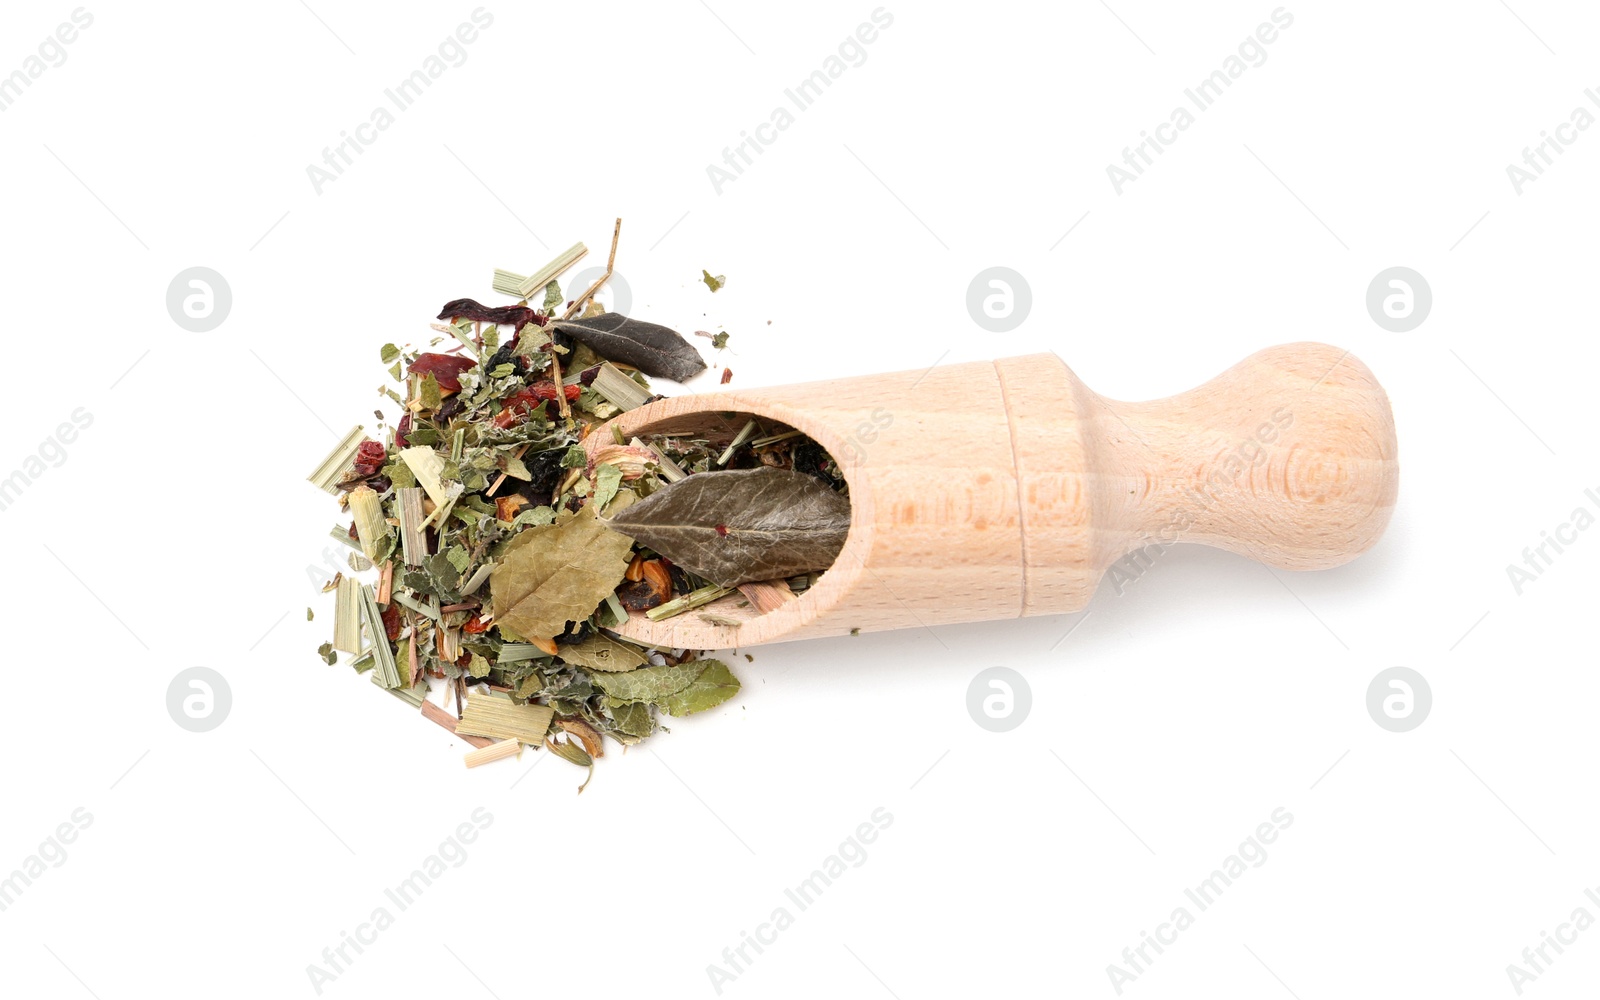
{"x": 1019, "y": 500}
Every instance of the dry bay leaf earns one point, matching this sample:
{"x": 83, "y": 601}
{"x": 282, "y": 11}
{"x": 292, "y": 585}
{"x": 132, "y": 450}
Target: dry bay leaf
{"x": 742, "y": 525}
{"x": 556, "y": 573}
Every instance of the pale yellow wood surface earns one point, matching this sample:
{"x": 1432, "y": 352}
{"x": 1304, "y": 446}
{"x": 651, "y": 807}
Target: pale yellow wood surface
{"x": 984, "y": 491}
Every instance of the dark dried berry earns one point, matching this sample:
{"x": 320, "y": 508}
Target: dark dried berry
{"x": 639, "y": 596}
{"x": 545, "y": 467}
{"x": 401, "y": 431}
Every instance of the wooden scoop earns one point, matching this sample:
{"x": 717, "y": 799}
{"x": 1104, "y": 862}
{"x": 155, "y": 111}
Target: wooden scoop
{"x": 1008, "y": 489}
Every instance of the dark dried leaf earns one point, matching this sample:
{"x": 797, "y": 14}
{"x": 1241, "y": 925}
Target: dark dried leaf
{"x": 742, "y": 525}
{"x": 654, "y": 350}
{"x": 513, "y": 316}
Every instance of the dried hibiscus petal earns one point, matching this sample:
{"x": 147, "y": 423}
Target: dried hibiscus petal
{"x": 401, "y": 431}
{"x": 477, "y": 626}
{"x": 515, "y": 316}
{"x": 446, "y": 368}
{"x": 520, "y": 403}
{"x": 391, "y": 622}
{"x": 369, "y": 458}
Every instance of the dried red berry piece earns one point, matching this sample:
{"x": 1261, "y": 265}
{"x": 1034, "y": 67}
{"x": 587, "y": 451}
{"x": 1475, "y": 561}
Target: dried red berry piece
{"x": 520, "y": 403}
{"x": 477, "y": 626}
{"x": 446, "y": 368}
{"x": 401, "y": 431}
{"x": 391, "y": 621}
{"x": 369, "y": 458}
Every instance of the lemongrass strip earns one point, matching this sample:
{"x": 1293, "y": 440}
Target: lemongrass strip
{"x": 413, "y": 543}
{"x": 738, "y": 439}
{"x": 493, "y": 752}
{"x": 339, "y": 461}
{"x": 347, "y": 616}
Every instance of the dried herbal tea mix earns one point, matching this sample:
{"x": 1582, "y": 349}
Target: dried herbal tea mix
{"x": 500, "y": 552}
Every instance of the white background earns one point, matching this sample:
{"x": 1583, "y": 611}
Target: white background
{"x": 1172, "y": 721}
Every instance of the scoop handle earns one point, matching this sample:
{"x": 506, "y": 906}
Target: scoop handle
{"x": 1289, "y": 457}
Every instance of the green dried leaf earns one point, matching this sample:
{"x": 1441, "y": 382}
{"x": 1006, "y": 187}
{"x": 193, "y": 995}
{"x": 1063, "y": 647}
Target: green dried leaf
{"x": 570, "y": 752}
{"x": 713, "y": 283}
{"x": 575, "y": 458}
{"x": 391, "y": 354}
{"x": 516, "y": 469}
{"x": 649, "y": 684}
{"x": 552, "y": 297}
{"x": 715, "y": 685}
{"x": 558, "y": 573}
{"x": 742, "y": 525}
{"x": 601, "y": 652}
{"x": 607, "y": 478}
{"x": 429, "y": 392}
{"x": 633, "y": 719}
